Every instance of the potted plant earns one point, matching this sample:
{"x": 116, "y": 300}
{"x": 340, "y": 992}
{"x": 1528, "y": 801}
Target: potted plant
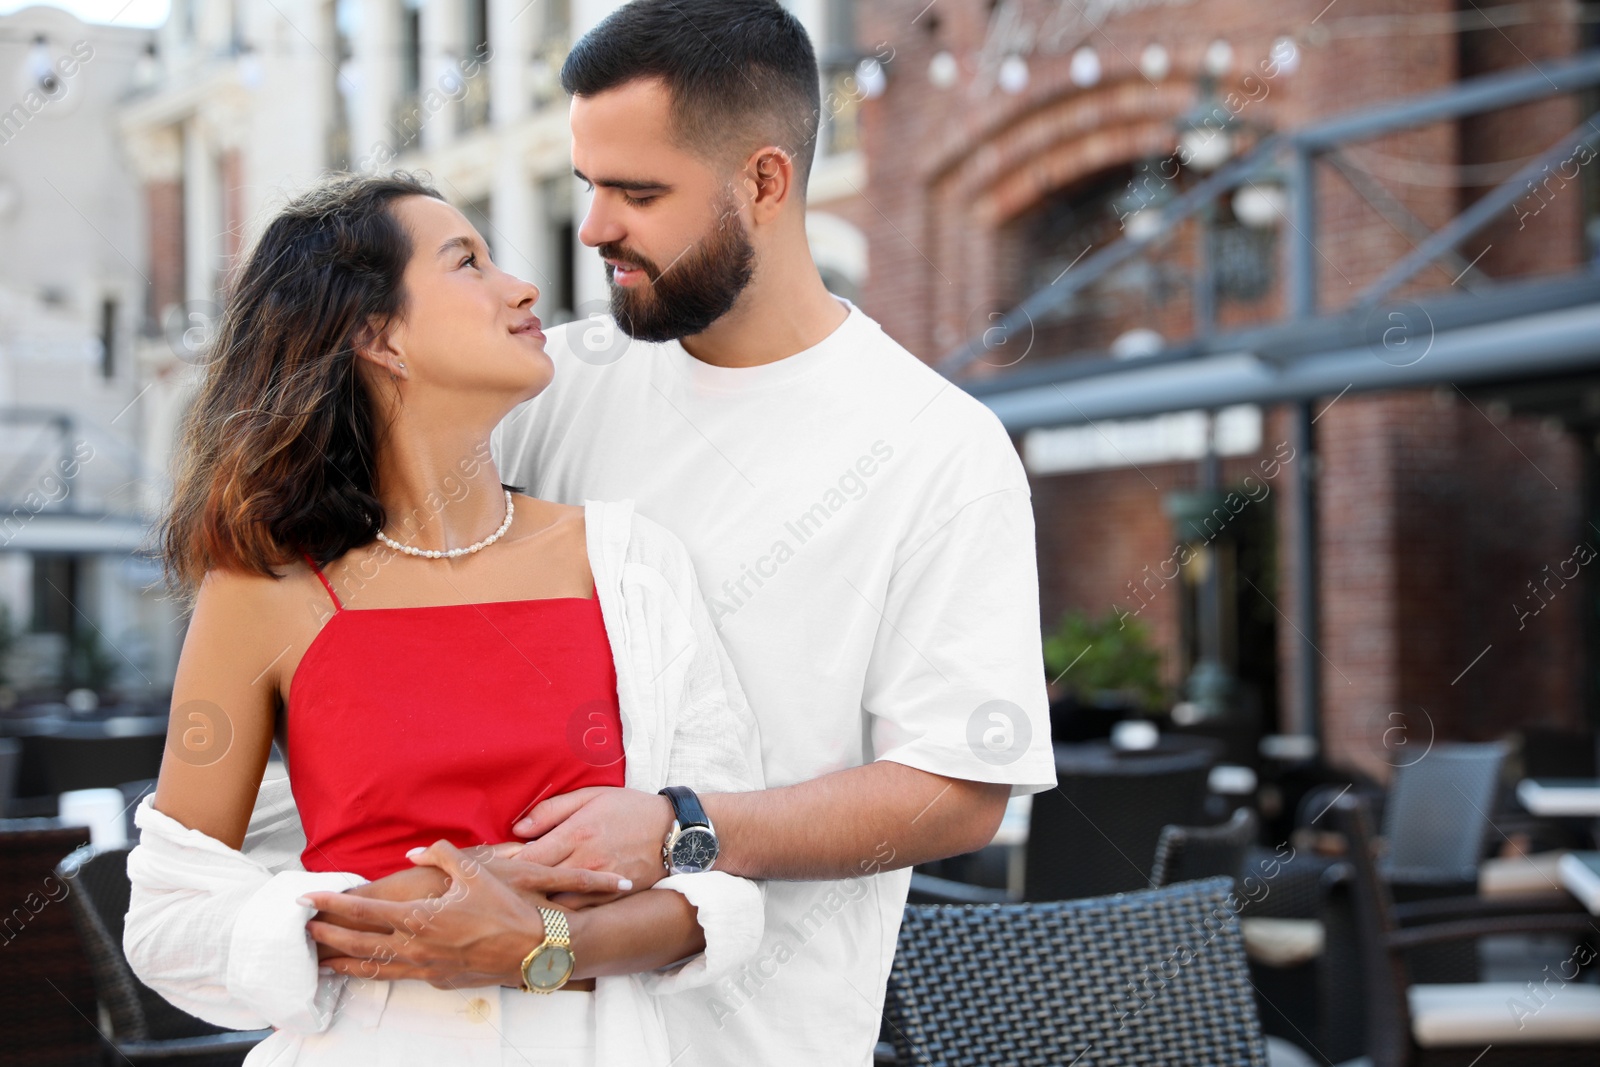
{"x": 1100, "y": 671}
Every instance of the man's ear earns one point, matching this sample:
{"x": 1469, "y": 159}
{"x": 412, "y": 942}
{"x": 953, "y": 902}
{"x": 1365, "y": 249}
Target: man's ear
{"x": 376, "y": 345}
{"x": 769, "y": 178}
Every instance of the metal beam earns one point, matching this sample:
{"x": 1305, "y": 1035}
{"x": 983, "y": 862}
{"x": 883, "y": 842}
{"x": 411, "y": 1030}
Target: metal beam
{"x": 1482, "y": 212}
{"x": 1396, "y": 214}
{"x": 1305, "y": 714}
{"x": 1284, "y": 342}
{"x": 1547, "y": 344}
{"x": 1016, "y": 321}
{"x": 1505, "y": 89}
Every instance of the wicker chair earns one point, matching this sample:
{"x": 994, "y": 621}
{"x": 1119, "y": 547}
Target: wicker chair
{"x": 144, "y": 1029}
{"x": 1185, "y": 853}
{"x": 1454, "y": 1025}
{"x": 1435, "y": 820}
{"x": 1435, "y": 813}
{"x": 928, "y": 889}
{"x": 1148, "y": 978}
{"x": 1438, "y": 813}
{"x": 1096, "y": 832}
{"x": 46, "y": 992}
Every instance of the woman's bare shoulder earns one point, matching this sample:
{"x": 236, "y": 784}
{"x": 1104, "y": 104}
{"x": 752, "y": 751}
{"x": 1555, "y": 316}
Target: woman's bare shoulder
{"x": 263, "y": 601}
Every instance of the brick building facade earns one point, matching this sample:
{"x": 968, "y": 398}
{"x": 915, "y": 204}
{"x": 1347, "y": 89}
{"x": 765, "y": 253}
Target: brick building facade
{"x": 1436, "y": 509}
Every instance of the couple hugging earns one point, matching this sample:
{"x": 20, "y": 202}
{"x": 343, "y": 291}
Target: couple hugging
{"x": 617, "y": 693}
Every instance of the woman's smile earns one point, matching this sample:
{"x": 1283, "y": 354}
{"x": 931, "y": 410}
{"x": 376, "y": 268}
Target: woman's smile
{"x": 531, "y": 328}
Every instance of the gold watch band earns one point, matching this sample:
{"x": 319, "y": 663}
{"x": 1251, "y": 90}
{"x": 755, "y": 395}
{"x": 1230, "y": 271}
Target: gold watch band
{"x": 556, "y": 930}
{"x": 557, "y": 934}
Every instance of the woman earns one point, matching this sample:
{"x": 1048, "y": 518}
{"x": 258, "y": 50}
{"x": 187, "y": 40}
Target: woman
{"x": 431, "y": 651}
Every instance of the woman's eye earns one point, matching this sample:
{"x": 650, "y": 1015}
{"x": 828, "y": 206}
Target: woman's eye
{"x": 470, "y": 261}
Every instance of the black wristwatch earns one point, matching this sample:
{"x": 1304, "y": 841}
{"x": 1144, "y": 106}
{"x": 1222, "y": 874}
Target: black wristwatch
{"x": 691, "y": 847}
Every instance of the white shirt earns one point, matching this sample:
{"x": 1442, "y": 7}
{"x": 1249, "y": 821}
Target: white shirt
{"x": 217, "y": 932}
{"x": 863, "y": 533}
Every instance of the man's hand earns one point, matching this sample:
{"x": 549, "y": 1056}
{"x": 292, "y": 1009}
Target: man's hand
{"x": 601, "y": 828}
{"x": 474, "y": 932}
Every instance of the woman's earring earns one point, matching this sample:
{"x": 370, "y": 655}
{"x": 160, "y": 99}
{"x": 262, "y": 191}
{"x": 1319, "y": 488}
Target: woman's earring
{"x": 401, "y": 364}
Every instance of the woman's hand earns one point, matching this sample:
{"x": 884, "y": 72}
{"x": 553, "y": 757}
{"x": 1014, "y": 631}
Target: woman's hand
{"x": 476, "y": 932}
{"x": 417, "y": 883}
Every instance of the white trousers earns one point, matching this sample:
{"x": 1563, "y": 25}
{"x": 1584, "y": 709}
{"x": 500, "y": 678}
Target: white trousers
{"x": 412, "y": 1024}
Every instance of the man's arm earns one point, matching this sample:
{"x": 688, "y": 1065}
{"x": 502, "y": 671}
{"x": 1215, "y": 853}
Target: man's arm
{"x": 882, "y": 816}
{"x": 956, "y": 670}
{"x": 857, "y": 821}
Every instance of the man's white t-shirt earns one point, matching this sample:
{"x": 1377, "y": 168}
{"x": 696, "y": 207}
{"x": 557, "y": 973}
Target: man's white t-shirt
{"x": 863, "y": 533}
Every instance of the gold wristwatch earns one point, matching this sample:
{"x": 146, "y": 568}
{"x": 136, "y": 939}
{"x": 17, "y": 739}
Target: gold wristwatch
{"x": 548, "y": 967}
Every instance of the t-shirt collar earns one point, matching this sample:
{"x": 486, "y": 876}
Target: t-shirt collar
{"x": 738, "y": 379}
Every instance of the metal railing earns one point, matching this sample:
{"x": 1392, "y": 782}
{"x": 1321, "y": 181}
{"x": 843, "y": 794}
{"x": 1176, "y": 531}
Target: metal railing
{"x": 1295, "y": 154}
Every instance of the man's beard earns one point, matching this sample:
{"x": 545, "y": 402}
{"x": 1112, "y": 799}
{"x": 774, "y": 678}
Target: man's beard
{"x": 694, "y": 292}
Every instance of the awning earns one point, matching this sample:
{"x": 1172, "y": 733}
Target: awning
{"x": 1530, "y": 346}
{"x": 70, "y": 534}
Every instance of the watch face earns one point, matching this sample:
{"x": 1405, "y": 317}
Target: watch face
{"x": 550, "y": 968}
{"x": 694, "y": 851}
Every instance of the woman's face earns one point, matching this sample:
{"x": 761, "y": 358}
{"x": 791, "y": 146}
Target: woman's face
{"x": 468, "y": 326}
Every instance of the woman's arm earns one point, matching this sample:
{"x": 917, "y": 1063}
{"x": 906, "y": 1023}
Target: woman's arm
{"x": 224, "y": 698}
{"x": 211, "y": 930}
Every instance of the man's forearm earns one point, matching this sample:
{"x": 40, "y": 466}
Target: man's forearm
{"x": 637, "y": 933}
{"x": 853, "y": 822}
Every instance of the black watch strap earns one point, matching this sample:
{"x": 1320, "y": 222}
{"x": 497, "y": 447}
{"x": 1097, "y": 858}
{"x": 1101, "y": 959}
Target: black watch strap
{"x": 686, "y": 807}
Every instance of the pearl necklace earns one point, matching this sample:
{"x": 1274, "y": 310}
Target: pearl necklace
{"x": 454, "y": 553}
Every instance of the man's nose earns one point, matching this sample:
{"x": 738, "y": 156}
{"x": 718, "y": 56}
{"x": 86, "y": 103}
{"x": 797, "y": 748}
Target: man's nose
{"x": 600, "y": 227}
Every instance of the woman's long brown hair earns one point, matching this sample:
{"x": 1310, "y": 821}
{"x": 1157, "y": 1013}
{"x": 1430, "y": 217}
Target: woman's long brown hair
{"x": 276, "y": 455}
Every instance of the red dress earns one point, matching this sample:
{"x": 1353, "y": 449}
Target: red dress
{"x": 407, "y": 725}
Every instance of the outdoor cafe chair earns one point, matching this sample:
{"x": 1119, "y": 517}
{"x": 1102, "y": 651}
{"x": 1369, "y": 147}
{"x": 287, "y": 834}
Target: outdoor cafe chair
{"x": 1187, "y": 853}
{"x": 1141, "y": 979}
{"x": 144, "y": 1027}
{"x": 46, "y": 992}
{"x": 1096, "y": 832}
{"x": 1412, "y": 1024}
{"x": 1436, "y": 817}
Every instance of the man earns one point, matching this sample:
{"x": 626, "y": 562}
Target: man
{"x": 862, "y": 530}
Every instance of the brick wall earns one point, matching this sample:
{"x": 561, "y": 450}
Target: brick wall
{"x": 1432, "y": 515}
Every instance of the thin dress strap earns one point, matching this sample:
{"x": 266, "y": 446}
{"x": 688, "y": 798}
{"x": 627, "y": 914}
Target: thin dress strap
{"x": 337, "y": 606}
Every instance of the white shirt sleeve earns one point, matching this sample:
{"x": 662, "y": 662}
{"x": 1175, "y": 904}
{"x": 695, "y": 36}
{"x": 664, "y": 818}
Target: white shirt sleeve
{"x": 956, "y": 682}
{"x": 218, "y": 933}
{"x": 715, "y": 748}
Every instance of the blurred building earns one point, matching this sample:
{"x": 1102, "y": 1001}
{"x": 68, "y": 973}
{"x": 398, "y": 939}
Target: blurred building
{"x": 1015, "y": 141}
{"x": 78, "y": 610}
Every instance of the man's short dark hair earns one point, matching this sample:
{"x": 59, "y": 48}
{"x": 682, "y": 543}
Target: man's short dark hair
{"x": 741, "y": 73}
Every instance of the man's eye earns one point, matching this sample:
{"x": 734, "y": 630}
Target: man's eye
{"x": 637, "y": 201}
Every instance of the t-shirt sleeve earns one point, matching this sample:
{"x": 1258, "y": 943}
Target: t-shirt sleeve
{"x": 956, "y": 681}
